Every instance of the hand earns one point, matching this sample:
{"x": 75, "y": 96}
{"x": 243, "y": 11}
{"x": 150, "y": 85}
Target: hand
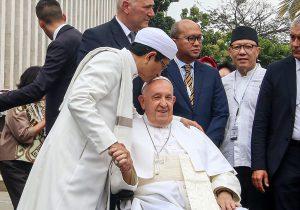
{"x": 121, "y": 157}
{"x": 43, "y": 122}
{"x": 258, "y": 177}
{"x": 187, "y": 123}
{"x": 226, "y": 201}
{"x": 39, "y": 126}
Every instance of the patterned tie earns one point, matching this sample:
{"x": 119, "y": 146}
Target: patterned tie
{"x": 131, "y": 36}
{"x": 188, "y": 80}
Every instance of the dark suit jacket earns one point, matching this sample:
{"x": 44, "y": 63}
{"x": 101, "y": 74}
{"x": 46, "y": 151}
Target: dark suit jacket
{"x": 274, "y": 116}
{"x": 109, "y": 34}
{"x": 53, "y": 80}
{"x": 211, "y": 107}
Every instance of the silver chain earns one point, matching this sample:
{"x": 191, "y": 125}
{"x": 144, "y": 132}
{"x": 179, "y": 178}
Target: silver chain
{"x": 157, "y": 152}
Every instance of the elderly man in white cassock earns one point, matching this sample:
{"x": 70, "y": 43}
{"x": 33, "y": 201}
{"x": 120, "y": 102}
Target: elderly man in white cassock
{"x": 177, "y": 167}
{"x": 72, "y": 168}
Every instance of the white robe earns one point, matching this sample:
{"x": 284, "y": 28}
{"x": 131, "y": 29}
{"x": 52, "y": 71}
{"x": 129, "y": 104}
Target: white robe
{"x": 70, "y": 172}
{"x": 169, "y": 195}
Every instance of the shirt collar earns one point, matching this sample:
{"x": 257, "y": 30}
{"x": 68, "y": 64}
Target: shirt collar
{"x": 124, "y": 27}
{"x": 297, "y": 64}
{"x": 57, "y": 30}
{"x": 249, "y": 72}
{"x": 181, "y": 63}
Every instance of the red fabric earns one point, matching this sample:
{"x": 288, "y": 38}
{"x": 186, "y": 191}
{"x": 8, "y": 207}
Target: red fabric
{"x": 210, "y": 60}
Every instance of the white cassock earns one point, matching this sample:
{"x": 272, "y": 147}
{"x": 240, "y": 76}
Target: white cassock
{"x": 167, "y": 190}
{"x": 70, "y": 172}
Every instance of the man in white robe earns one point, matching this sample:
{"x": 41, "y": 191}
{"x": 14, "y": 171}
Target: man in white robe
{"x": 177, "y": 167}
{"x": 71, "y": 170}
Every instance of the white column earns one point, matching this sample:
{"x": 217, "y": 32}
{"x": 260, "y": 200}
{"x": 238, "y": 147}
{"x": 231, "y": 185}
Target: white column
{"x": 21, "y": 37}
{"x": 2, "y": 41}
{"x": 27, "y": 33}
{"x": 22, "y": 41}
{"x": 11, "y": 42}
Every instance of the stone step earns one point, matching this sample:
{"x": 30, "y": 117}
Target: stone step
{"x": 5, "y": 203}
{"x": 2, "y": 185}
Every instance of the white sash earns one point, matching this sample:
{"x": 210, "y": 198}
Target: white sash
{"x": 198, "y": 187}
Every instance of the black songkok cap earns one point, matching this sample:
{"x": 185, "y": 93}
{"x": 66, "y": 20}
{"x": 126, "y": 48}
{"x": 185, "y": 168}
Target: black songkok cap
{"x": 244, "y": 32}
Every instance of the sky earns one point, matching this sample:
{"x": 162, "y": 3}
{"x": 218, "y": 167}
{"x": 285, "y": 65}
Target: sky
{"x": 176, "y": 7}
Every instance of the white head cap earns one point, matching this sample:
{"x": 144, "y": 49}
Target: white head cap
{"x": 158, "y": 40}
{"x": 154, "y": 79}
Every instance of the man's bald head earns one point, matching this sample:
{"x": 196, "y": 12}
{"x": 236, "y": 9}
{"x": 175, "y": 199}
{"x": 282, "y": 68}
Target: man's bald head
{"x": 180, "y": 26}
{"x": 157, "y": 100}
{"x": 188, "y": 38}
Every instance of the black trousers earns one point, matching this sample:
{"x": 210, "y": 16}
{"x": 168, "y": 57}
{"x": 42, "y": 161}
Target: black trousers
{"x": 15, "y": 174}
{"x": 286, "y": 181}
{"x": 251, "y": 197}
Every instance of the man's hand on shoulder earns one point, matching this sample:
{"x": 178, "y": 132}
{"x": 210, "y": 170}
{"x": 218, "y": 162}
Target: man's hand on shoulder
{"x": 187, "y": 123}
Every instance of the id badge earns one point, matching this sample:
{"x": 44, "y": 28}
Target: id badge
{"x": 234, "y": 133}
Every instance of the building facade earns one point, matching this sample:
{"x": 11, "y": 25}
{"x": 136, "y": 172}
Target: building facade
{"x": 24, "y": 44}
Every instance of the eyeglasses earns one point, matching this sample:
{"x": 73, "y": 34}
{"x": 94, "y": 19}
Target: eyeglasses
{"x": 247, "y": 47}
{"x": 163, "y": 64}
{"x": 294, "y": 37}
{"x": 192, "y": 39}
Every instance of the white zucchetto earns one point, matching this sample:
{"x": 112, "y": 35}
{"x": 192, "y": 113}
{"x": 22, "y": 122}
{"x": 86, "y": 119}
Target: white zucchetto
{"x": 158, "y": 40}
{"x": 154, "y": 79}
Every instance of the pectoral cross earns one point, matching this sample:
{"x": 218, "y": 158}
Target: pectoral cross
{"x": 157, "y": 162}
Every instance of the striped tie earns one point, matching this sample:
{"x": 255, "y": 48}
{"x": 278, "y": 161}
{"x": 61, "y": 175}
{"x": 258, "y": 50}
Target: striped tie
{"x": 131, "y": 36}
{"x": 188, "y": 80}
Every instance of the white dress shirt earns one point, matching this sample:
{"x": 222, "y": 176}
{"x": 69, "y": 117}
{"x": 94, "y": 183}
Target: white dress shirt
{"x": 296, "y": 131}
{"x": 57, "y": 30}
{"x": 241, "y": 91}
{"x": 181, "y": 65}
{"x": 124, "y": 28}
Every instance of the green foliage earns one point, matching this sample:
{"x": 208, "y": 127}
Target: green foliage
{"x": 217, "y": 26}
{"x": 195, "y": 15}
{"x": 160, "y": 19}
{"x": 272, "y": 50}
{"x": 161, "y": 5}
{"x": 163, "y": 22}
{"x": 215, "y": 44}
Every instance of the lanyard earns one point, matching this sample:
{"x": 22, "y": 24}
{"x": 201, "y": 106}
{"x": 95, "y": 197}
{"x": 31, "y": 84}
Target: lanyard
{"x": 244, "y": 93}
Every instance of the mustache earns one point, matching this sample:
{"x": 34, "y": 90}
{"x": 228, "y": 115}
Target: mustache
{"x": 296, "y": 50}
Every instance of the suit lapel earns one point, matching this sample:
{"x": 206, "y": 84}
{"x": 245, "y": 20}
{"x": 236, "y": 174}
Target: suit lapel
{"x": 198, "y": 83}
{"x": 118, "y": 34}
{"x": 291, "y": 78}
{"x": 176, "y": 77}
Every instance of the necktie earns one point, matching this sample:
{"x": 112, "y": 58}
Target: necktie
{"x": 131, "y": 36}
{"x": 188, "y": 80}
